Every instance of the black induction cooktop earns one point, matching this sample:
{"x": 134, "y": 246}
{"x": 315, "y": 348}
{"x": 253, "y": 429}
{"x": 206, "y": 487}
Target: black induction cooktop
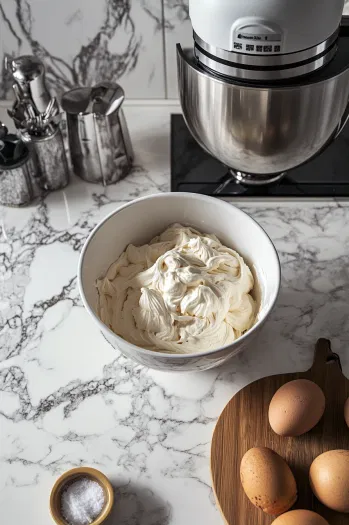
{"x": 193, "y": 170}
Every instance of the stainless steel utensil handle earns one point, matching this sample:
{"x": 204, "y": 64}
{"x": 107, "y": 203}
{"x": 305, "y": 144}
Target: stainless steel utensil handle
{"x": 126, "y": 136}
{"x": 343, "y": 121}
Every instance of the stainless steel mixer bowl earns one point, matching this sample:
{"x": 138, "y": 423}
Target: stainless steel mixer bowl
{"x": 261, "y": 130}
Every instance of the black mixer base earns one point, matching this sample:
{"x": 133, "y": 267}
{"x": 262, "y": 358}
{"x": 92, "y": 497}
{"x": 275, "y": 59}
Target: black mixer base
{"x": 194, "y": 170}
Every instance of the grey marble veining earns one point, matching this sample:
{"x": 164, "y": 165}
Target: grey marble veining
{"x": 67, "y": 398}
{"x": 82, "y": 42}
{"x": 178, "y": 29}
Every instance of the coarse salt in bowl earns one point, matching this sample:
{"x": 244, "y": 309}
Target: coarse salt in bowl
{"x": 142, "y": 219}
{"x": 73, "y": 509}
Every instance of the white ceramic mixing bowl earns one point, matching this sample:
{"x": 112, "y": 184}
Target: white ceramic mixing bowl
{"x": 138, "y": 222}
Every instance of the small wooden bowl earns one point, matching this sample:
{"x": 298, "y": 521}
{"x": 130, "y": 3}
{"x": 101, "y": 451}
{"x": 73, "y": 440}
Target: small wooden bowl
{"x": 68, "y": 477}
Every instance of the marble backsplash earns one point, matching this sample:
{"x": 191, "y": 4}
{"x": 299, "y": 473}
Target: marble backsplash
{"x": 84, "y": 41}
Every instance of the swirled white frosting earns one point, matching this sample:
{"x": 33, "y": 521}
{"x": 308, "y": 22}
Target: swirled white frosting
{"x": 184, "y": 292}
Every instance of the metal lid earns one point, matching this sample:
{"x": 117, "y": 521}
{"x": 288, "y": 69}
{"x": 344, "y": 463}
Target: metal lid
{"x": 102, "y": 99}
{"x": 76, "y": 100}
{"x": 13, "y": 151}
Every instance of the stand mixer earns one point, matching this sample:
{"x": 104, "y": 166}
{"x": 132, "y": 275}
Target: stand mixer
{"x": 266, "y": 86}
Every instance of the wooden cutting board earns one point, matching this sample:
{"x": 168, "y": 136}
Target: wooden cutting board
{"x": 244, "y": 424}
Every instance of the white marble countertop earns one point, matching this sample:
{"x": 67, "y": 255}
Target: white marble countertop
{"x": 68, "y": 399}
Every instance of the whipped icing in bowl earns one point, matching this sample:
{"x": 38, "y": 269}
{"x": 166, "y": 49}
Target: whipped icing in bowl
{"x": 184, "y": 292}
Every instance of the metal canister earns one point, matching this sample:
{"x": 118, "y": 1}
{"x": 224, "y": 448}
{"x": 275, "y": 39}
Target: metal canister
{"x": 37, "y": 118}
{"x": 51, "y": 159}
{"x": 99, "y": 142}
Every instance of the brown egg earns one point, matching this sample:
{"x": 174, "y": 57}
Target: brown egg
{"x": 296, "y": 408}
{"x": 268, "y": 481}
{"x": 346, "y": 411}
{"x": 329, "y": 479}
{"x": 300, "y": 517}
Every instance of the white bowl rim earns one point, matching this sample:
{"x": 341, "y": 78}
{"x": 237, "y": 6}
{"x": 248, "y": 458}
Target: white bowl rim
{"x": 189, "y": 195}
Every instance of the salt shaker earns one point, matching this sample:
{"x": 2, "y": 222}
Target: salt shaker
{"x": 99, "y": 142}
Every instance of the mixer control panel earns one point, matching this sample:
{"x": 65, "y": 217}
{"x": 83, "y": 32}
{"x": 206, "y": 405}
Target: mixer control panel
{"x": 257, "y": 48}
{"x": 254, "y": 36}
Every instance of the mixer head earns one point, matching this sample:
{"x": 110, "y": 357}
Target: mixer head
{"x": 265, "y": 41}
